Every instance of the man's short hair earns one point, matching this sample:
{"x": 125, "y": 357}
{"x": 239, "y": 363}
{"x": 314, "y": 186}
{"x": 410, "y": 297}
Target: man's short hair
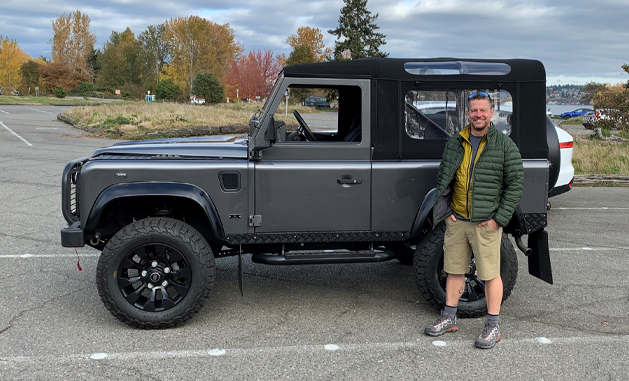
{"x": 478, "y": 95}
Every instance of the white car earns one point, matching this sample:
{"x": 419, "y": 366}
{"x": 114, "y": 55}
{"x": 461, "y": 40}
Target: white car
{"x": 566, "y": 170}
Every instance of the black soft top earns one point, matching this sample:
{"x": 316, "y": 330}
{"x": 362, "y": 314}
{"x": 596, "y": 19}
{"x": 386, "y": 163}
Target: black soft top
{"x": 522, "y": 70}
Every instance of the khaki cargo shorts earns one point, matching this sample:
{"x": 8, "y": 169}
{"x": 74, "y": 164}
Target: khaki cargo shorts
{"x": 464, "y": 237}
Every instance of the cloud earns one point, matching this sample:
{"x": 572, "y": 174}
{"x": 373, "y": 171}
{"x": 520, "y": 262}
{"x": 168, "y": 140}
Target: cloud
{"x": 577, "y": 41}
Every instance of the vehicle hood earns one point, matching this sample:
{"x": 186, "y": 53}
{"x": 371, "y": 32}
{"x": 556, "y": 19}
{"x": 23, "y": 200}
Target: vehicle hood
{"x": 198, "y": 147}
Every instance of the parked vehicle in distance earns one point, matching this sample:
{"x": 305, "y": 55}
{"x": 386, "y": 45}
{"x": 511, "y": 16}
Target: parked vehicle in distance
{"x": 565, "y": 177}
{"x": 575, "y": 113}
{"x": 197, "y": 101}
{"x": 316, "y": 102}
{"x": 590, "y": 119}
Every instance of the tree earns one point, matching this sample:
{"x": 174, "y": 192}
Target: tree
{"x": 119, "y": 62}
{"x": 312, "y": 38}
{"x": 301, "y": 54}
{"x": 199, "y": 45}
{"x": 153, "y": 54}
{"x": 168, "y": 90}
{"x": 30, "y": 74}
{"x": 11, "y": 60}
{"x": 56, "y": 74}
{"x": 207, "y": 86}
{"x": 358, "y": 29}
{"x": 253, "y": 75}
{"x": 93, "y": 61}
{"x": 73, "y": 41}
{"x": 590, "y": 90}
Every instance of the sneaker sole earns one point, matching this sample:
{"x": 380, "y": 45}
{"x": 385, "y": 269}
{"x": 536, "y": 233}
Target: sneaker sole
{"x": 435, "y": 334}
{"x": 487, "y": 346}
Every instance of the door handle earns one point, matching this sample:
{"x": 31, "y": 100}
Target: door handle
{"x": 349, "y": 181}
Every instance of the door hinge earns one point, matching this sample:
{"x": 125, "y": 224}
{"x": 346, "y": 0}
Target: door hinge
{"x": 255, "y": 220}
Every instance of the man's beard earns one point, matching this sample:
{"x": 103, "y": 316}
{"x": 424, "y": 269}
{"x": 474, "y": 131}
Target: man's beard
{"x": 485, "y": 125}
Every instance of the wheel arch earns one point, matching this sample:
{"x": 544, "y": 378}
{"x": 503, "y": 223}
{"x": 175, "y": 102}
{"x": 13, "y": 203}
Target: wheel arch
{"x": 424, "y": 214}
{"x": 190, "y": 201}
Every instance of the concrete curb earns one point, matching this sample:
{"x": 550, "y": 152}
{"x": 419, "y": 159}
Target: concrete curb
{"x": 179, "y": 133}
{"x": 618, "y": 180}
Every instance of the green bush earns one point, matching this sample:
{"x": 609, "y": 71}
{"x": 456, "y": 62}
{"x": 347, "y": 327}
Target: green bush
{"x": 168, "y": 90}
{"x": 59, "y": 92}
{"x": 206, "y": 85}
{"x": 86, "y": 87}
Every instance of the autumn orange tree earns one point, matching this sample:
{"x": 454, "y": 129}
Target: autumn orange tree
{"x": 311, "y": 38}
{"x": 11, "y": 59}
{"x": 57, "y": 74}
{"x": 198, "y": 45}
{"x": 253, "y": 74}
{"x": 73, "y": 41}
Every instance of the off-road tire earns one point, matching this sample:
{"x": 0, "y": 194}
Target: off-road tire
{"x": 428, "y": 266}
{"x": 166, "y": 231}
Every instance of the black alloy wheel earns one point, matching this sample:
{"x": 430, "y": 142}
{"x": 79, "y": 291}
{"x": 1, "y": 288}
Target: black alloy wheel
{"x": 154, "y": 277}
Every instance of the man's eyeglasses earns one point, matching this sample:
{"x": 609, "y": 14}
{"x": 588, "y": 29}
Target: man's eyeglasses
{"x": 481, "y": 93}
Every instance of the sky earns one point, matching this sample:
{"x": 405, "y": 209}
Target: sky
{"x": 578, "y": 41}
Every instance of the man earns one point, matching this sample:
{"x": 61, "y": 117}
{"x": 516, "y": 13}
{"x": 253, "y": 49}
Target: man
{"x": 479, "y": 185}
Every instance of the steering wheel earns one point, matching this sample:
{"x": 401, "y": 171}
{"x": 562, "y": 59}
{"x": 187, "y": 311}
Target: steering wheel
{"x": 303, "y": 128}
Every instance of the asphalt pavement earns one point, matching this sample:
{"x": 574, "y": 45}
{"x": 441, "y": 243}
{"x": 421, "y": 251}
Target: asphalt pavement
{"x": 357, "y": 321}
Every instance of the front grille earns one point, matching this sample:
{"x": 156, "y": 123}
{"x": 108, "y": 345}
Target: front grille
{"x": 230, "y": 181}
{"x": 74, "y": 197}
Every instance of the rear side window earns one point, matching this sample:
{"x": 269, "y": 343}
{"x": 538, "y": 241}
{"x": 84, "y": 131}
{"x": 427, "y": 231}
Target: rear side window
{"x": 439, "y": 114}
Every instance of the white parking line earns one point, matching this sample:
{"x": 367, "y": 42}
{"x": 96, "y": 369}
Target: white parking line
{"x": 4, "y": 112}
{"x": 600, "y": 208}
{"x": 589, "y": 248}
{"x": 86, "y": 255}
{"x": 22, "y": 256}
{"x": 34, "y": 109}
{"x": 423, "y": 344}
{"x": 21, "y": 138}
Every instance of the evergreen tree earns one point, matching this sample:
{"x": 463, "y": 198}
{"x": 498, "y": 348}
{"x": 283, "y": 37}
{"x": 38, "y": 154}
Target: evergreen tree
{"x": 357, "y": 27}
{"x": 207, "y": 86}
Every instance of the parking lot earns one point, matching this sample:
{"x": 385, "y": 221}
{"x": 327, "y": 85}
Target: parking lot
{"x": 357, "y": 321}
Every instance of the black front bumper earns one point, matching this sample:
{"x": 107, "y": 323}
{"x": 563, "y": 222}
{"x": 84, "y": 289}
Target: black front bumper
{"x": 73, "y": 236}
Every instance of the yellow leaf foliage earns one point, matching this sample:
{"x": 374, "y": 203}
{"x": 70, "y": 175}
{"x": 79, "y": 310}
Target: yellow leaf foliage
{"x": 11, "y": 59}
{"x": 312, "y": 38}
{"x": 199, "y": 45}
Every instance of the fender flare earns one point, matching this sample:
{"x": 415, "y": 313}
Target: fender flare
{"x": 423, "y": 213}
{"x": 144, "y": 189}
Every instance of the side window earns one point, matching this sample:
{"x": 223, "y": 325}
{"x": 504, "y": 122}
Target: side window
{"x": 439, "y": 114}
{"x": 320, "y": 114}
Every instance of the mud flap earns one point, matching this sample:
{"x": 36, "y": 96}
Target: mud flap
{"x": 539, "y": 259}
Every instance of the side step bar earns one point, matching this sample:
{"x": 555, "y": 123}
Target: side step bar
{"x": 323, "y": 257}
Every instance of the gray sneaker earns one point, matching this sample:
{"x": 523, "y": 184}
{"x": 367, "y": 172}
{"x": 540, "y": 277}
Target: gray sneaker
{"x": 442, "y": 325}
{"x": 489, "y": 337}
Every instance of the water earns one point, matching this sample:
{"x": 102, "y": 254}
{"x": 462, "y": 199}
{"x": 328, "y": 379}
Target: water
{"x": 560, "y": 109}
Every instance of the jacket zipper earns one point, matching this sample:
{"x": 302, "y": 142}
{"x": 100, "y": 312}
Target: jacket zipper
{"x": 474, "y": 170}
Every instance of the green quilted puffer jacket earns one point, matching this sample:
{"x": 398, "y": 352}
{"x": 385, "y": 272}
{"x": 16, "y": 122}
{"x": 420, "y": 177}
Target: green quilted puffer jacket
{"x": 497, "y": 181}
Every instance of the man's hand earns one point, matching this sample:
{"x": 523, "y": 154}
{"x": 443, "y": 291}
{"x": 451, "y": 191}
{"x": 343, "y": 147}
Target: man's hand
{"x": 452, "y": 217}
{"x": 491, "y": 223}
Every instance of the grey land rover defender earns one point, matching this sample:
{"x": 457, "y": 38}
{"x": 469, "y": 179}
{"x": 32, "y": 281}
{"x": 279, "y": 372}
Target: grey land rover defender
{"x": 349, "y": 186}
